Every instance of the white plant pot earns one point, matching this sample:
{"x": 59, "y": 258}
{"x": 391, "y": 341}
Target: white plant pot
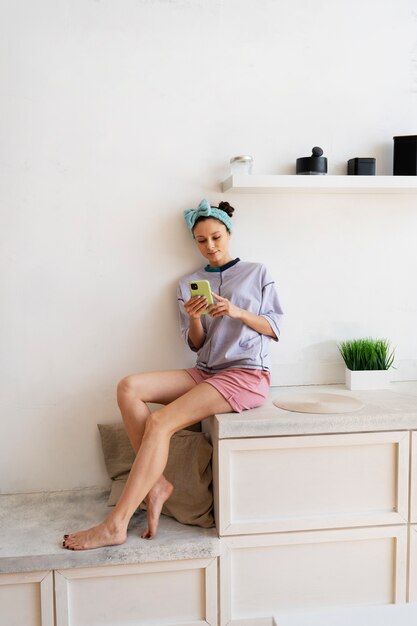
{"x": 367, "y": 379}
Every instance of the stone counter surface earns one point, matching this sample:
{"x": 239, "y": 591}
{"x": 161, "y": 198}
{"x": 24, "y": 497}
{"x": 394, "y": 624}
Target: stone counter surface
{"x": 32, "y": 526}
{"x": 391, "y": 409}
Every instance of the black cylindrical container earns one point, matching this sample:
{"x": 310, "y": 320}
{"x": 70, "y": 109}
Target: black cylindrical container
{"x": 405, "y": 155}
{"x": 314, "y": 164}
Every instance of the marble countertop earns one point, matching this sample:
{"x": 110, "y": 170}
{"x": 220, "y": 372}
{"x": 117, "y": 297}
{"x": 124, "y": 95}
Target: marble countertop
{"x": 391, "y": 409}
{"x": 32, "y": 526}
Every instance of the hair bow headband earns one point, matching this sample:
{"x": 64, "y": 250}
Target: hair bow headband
{"x": 205, "y": 210}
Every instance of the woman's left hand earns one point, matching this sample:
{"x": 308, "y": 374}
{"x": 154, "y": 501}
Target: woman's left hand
{"x": 223, "y": 306}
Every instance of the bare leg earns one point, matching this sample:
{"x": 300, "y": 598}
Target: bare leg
{"x": 132, "y": 394}
{"x": 200, "y": 402}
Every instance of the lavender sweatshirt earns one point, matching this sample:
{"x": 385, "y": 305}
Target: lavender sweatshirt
{"x": 229, "y": 342}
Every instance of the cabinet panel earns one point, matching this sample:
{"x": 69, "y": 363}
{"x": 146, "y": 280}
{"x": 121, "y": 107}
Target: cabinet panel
{"x": 175, "y": 592}
{"x": 263, "y": 574}
{"x": 312, "y": 482}
{"x": 26, "y": 599}
{"x": 412, "y": 572}
{"x": 413, "y": 474}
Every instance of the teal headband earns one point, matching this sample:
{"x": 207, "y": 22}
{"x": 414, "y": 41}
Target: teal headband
{"x": 205, "y": 210}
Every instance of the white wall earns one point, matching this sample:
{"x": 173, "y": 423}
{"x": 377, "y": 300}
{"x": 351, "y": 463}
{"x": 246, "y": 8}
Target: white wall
{"x": 118, "y": 115}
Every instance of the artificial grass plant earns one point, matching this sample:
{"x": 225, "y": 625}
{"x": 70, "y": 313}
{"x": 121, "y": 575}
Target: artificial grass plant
{"x": 367, "y": 354}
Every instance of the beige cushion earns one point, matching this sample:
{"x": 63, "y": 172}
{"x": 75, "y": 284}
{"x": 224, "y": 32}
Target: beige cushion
{"x": 318, "y": 403}
{"x": 188, "y": 469}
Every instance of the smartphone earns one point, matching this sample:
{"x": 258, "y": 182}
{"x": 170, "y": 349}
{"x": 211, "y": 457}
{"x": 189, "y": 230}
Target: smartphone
{"x": 201, "y": 288}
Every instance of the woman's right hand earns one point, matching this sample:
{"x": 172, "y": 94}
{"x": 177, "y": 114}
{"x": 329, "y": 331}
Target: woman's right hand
{"x": 195, "y": 306}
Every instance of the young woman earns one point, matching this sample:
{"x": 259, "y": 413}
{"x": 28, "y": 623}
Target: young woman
{"x": 231, "y": 373}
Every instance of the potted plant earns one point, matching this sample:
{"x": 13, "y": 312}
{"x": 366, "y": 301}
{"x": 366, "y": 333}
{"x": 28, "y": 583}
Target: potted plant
{"x": 367, "y": 363}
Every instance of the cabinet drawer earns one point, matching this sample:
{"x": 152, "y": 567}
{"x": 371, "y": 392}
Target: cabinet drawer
{"x": 281, "y": 484}
{"x": 26, "y": 599}
{"x": 171, "y": 592}
{"x": 262, "y": 575}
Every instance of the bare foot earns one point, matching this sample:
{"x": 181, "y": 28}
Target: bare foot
{"x": 154, "y": 503}
{"x": 105, "y": 534}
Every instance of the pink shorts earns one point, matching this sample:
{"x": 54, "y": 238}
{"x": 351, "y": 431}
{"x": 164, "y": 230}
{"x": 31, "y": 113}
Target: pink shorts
{"x": 243, "y": 388}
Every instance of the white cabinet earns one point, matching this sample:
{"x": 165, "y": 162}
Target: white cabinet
{"x": 163, "y": 593}
{"x": 182, "y": 592}
{"x": 264, "y": 574}
{"x": 275, "y": 484}
{"x": 311, "y": 521}
{"x": 305, "y": 522}
{"x": 27, "y": 599}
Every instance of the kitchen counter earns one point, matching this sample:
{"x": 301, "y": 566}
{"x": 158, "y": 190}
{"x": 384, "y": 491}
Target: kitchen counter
{"x": 391, "y": 409}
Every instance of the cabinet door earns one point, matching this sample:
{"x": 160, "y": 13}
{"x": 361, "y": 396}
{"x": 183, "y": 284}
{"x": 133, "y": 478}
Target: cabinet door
{"x": 26, "y": 599}
{"x": 280, "y": 484}
{"x": 175, "y": 592}
{"x": 263, "y": 575}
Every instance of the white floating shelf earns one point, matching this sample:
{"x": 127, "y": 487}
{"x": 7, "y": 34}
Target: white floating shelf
{"x": 271, "y": 183}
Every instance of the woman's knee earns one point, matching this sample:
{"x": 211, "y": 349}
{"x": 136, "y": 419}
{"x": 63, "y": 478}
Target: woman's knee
{"x": 127, "y": 389}
{"x": 156, "y": 424}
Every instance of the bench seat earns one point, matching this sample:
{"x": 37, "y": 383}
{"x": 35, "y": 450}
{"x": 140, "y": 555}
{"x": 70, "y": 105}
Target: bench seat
{"x": 32, "y": 526}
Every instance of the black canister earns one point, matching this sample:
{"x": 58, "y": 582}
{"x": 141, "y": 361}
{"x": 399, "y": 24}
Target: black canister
{"x": 361, "y": 166}
{"x": 405, "y": 155}
{"x": 314, "y": 164}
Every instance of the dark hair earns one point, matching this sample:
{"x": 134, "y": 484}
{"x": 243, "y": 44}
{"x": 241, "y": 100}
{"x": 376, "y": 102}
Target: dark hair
{"x": 223, "y": 206}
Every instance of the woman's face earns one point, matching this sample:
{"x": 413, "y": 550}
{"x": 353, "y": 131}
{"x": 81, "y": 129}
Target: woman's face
{"x": 212, "y": 238}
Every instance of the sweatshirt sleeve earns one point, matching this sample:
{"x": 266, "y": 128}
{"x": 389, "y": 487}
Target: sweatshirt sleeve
{"x": 183, "y": 317}
{"x": 271, "y": 308}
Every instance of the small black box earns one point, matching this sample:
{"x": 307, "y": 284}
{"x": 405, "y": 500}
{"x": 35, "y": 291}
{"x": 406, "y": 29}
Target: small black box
{"x": 405, "y": 155}
{"x": 361, "y": 167}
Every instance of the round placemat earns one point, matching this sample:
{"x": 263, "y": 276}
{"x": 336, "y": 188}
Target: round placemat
{"x": 318, "y": 403}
